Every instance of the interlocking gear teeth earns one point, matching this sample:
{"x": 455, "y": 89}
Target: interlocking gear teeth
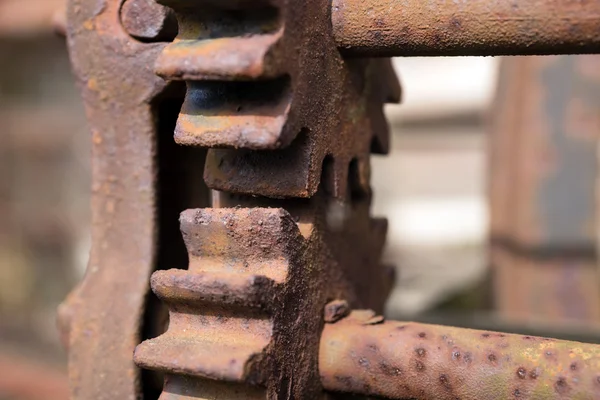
{"x": 246, "y": 114}
{"x": 238, "y": 84}
{"x": 220, "y": 320}
{"x": 247, "y": 318}
{"x": 267, "y": 76}
{"x": 228, "y": 59}
{"x": 231, "y": 289}
{"x": 259, "y": 278}
{"x": 296, "y": 170}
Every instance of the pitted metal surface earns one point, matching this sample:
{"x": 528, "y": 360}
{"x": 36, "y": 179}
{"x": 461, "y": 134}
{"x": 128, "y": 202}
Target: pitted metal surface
{"x": 465, "y": 28}
{"x": 407, "y": 360}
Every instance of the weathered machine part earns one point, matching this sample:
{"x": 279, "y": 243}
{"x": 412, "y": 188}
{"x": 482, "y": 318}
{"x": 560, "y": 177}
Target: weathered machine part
{"x": 268, "y": 76}
{"x": 257, "y": 80}
{"x": 254, "y": 291}
{"x": 465, "y": 28}
{"x": 544, "y": 172}
{"x": 404, "y": 360}
{"x": 290, "y": 123}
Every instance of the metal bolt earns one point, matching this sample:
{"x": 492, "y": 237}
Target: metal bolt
{"x": 147, "y": 20}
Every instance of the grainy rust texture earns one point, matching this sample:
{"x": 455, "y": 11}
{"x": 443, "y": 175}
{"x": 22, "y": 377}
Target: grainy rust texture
{"x": 543, "y": 181}
{"x": 249, "y": 309}
{"x": 403, "y": 360}
{"x": 104, "y": 315}
{"x": 467, "y": 28}
{"x": 268, "y": 76}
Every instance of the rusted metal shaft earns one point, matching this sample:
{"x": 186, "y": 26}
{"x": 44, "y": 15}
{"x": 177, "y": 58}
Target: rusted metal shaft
{"x": 466, "y": 28}
{"x": 409, "y": 360}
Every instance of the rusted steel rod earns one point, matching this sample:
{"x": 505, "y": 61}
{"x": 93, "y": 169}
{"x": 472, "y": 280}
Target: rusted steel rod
{"x": 409, "y": 360}
{"x": 466, "y": 28}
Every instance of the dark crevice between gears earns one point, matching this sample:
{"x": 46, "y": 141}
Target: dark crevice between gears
{"x": 216, "y": 21}
{"x": 262, "y": 97}
{"x": 179, "y": 186}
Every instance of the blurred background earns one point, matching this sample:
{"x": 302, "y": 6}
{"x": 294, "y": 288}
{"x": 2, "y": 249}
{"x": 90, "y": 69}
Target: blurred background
{"x": 490, "y": 191}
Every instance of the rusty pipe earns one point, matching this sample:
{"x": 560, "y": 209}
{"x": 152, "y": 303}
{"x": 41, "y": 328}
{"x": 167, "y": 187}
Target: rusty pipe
{"x": 466, "y": 28}
{"x": 410, "y": 360}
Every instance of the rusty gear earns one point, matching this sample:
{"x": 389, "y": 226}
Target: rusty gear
{"x": 290, "y": 123}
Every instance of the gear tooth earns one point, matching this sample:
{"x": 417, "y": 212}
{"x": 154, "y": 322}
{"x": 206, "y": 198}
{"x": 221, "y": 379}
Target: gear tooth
{"x": 227, "y": 59}
{"x": 380, "y": 143}
{"x": 220, "y": 309}
{"x": 385, "y": 89}
{"x": 249, "y": 115}
{"x": 238, "y": 89}
{"x": 230, "y": 289}
{"x": 379, "y": 228}
{"x": 255, "y": 241}
{"x": 276, "y": 174}
{"x": 203, "y": 354}
{"x": 390, "y": 82}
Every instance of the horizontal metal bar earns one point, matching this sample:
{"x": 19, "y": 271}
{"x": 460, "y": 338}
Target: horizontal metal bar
{"x": 402, "y": 360}
{"x": 465, "y": 28}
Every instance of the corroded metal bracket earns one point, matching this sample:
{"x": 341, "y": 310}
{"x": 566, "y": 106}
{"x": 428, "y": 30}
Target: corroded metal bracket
{"x": 262, "y": 82}
{"x": 102, "y": 319}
